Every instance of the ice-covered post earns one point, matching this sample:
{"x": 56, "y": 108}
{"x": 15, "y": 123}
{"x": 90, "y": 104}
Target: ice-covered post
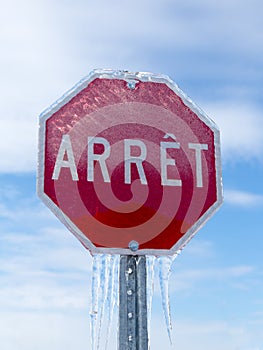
{"x": 133, "y": 332}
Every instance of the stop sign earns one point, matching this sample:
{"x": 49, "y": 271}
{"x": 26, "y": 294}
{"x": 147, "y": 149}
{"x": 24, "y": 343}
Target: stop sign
{"x": 129, "y": 164}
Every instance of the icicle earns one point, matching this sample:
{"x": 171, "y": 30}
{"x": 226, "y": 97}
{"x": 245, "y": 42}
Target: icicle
{"x": 104, "y": 280}
{"x": 109, "y": 300}
{"x": 165, "y": 263}
{"x": 150, "y": 263}
{"x": 95, "y": 299}
{"x": 116, "y": 281}
{"x": 111, "y": 294}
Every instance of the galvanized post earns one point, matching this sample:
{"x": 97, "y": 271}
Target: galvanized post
{"x": 133, "y": 332}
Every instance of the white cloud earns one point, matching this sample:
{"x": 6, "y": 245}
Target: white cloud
{"x": 184, "y": 24}
{"x": 44, "y": 296}
{"x": 200, "y": 249}
{"x": 200, "y": 335}
{"x": 31, "y": 56}
{"x": 187, "y": 279}
{"x": 242, "y": 198}
{"x": 18, "y": 145}
{"x": 48, "y": 251}
{"x": 196, "y": 333}
{"x": 44, "y": 330}
{"x": 241, "y": 128}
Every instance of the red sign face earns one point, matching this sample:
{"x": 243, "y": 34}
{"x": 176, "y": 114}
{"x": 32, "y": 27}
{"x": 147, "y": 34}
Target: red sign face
{"x": 129, "y": 164}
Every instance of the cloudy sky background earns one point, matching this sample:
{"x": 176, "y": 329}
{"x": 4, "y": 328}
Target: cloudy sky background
{"x": 213, "y": 51}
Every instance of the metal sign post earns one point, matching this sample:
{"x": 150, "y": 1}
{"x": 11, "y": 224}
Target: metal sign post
{"x": 133, "y": 332}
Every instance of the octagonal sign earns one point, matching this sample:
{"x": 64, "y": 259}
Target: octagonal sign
{"x": 129, "y": 164}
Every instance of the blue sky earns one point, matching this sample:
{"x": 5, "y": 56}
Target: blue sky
{"x": 213, "y": 50}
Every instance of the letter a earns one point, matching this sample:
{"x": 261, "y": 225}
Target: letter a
{"x": 65, "y": 149}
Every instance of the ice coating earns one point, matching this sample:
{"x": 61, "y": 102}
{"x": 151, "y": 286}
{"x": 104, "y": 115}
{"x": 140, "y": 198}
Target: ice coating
{"x": 150, "y": 268}
{"x": 164, "y": 264}
{"x": 105, "y": 280}
{"x": 179, "y": 191}
{"x": 104, "y": 298}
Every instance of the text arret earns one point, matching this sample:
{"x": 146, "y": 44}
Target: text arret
{"x": 65, "y": 159}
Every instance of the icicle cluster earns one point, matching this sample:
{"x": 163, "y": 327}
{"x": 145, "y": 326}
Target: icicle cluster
{"x": 105, "y": 277}
{"x": 105, "y": 294}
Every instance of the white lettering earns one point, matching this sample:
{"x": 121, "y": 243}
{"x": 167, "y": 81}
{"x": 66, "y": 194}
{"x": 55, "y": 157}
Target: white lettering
{"x": 198, "y": 147}
{"x": 137, "y": 160}
{"x": 101, "y": 158}
{"x": 135, "y": 153}
{"x": 165, "y": 162}
{"x": 65, "y": 148}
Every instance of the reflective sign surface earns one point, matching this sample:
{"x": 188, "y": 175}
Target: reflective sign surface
{"x": 128, "y": 158}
